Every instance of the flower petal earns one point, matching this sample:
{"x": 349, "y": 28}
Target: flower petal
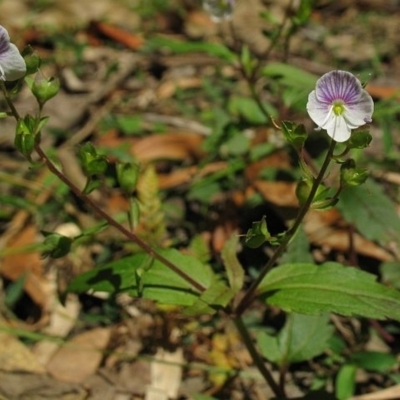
{"x": 317, "y": 111}
{"x": 4, "y": 39}
{"x": 12, "y": 63}
{"x": 338, "y": 85}
{"x": 338, "y": 129}
{"x": 360, "y": 113}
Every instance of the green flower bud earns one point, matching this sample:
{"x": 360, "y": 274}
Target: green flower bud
{"x": 127, "y": 175}
{"x": 56, "y": 245}
{"x": 25, "y": 136}
{"x": 258, "y": 234}
{"x": 294, "y": 134}
{"x": 32, "y": 60}
{"x": 350, "y": 175}
{"x": 43, "y": 89}
{"x": 303, "y": 190}
{"x": 359, "y": 140}
{"x": 92, "y": 163}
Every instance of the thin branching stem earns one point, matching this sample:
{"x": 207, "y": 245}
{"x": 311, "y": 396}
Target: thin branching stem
{"x": 91, "y": 203}
{"x": 257, "y": 358}
{"x": 111, "y": 221}
{"x": 251, "y": 292}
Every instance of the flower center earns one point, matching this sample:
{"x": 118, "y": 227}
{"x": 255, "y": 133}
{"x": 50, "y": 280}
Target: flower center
{"x": 338, "y": 108}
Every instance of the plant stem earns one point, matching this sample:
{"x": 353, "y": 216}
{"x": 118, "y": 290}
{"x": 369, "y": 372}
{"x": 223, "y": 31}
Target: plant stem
{"x": 111, "y": 221}
{"x": 251, "y": 292}
{"x": 88, "y": 200}
{"x": 255, "y": 355}
{"x": 9, "y": 101}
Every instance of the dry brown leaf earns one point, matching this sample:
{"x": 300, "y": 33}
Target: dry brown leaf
{"x": 13, "y": 266}
{"x": 279, "y": 193}
{"x": 169, "y": 146}
{"x": 186, "y": 175}
{"x": 321, "y": 230}
{"x": 122, "y": 36}
{"x": 166, "y": 375}
{"x": 383, "y": 92}
{"x": 16, "y": 357}
{"x": 62, "y": 319}
{"x": 80, "y": 357}
{"x": 168, "y": 88}
{"x": 392, "y": 393}
{"x": 280, "y": 159}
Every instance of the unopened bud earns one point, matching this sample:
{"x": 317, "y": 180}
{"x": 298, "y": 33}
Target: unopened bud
{"x": 43, "y": 89}
{"x": 350, "y": 175}
{"x": 219, "y": 9}
{"x": 127, "y": 175}
{"x": 92, "y": 163}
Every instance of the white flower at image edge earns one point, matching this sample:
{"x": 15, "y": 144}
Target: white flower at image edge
{"x": 12, "y": 65}
{"x": 219, "y": 9}
{"x": 339, "y": 104}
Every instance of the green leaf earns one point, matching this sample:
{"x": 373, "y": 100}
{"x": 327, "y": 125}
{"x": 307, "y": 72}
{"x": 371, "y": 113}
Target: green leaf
{"x": 298, "y": 249}
{"x": 331, "y": 287}
{"x": 374, "y": 361}
{"x": 183, "y": 47}
{"x": 142, "y": 276}
{"x": 345, "y": 382}
{"x": 234, "y": 269}
{"x": 218, "y": 295}
{"x": 247, "y": 109}
{"x": 296, "y": 82}
{"x": 290, "y": 76}
{"x": 390, "y": 272}
{"x": 302, "y": 338}
{"x": 371, "y": 212}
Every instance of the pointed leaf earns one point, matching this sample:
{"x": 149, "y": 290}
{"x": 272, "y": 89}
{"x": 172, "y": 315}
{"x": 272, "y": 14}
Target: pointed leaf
{"x": 371, "y": 212}
{"x": 234, "y": 269}
{"x": 331, "y": 287}
{"x": 142, "y": 276}
{"x": 302, "y": 338}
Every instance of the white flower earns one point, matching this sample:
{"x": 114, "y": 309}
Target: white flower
{"x": 219, "y": 9}
{"x": 12, "y": 65}
{"x": 339, "y": 104}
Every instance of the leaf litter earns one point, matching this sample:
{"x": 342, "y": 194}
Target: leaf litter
{"x": 139, "y": 352}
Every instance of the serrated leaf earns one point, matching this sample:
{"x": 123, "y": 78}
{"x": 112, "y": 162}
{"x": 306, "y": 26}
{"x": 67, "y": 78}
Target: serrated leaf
{"x": 142, "y": 276}
{"x": 233, "y": 268}
{"x": 302, "y": 338}
{"x": 371, "y": 212}
{"x": 331, "y": 287}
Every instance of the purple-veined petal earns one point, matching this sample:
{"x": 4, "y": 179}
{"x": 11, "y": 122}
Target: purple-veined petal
{"x": 12, "y": 64}
{"x": 4, "y": 39}
{"x": 318, "y": 111}
{"x": 339, "y": 104}
{"x": 360, "y": 113}
{"x": 338, "y": 85}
